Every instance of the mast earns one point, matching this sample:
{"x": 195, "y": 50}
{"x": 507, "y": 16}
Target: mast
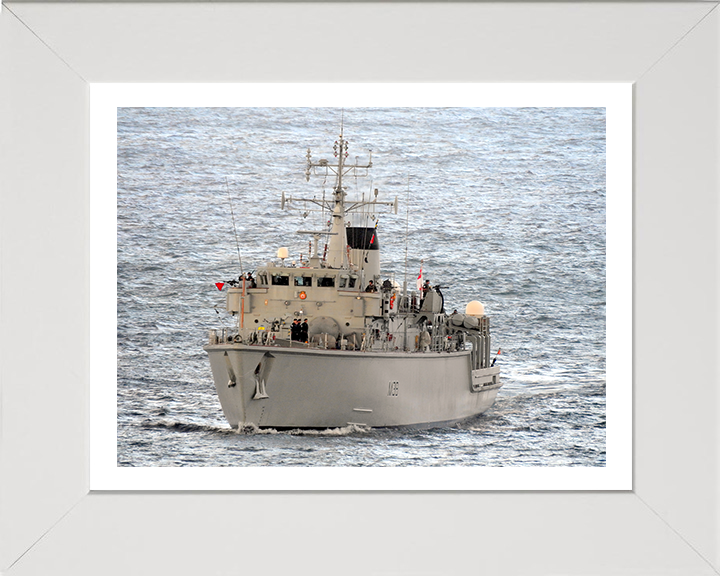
{"x": 337, "y": 253}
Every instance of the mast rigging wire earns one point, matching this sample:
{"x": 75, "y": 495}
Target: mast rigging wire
{"x": 232, "y": 213}
{"x": 407, "y": 223}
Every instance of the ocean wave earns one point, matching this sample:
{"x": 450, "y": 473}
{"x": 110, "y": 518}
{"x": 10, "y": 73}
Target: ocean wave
{"x": 187, "y": 426}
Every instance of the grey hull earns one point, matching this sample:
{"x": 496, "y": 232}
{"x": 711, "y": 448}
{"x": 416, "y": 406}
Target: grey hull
{"x": 278, "y": 387}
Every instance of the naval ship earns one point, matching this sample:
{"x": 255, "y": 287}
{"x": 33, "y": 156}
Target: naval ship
{"x": 325, "y": 342}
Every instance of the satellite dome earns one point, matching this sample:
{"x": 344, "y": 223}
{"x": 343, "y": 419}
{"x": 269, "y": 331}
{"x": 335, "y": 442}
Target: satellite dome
{"x": 475, "y": 308}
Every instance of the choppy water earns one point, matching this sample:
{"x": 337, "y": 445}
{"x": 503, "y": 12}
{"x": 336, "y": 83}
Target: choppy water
{"x": 507, "y": 206}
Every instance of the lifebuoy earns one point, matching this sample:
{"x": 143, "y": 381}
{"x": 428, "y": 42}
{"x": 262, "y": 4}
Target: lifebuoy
{"x": 302, "y": 295}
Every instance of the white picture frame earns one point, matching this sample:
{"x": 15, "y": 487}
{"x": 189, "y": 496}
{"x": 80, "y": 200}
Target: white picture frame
{"x": 50, "y": 521}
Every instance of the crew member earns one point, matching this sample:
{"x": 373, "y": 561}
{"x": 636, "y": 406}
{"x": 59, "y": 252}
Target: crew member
{"x": 424, "y": 291}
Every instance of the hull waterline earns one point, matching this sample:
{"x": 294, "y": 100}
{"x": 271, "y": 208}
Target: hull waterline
{"x": 276, "y": 387}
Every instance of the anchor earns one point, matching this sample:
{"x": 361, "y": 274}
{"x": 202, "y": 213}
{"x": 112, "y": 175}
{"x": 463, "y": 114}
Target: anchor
{"x": 261, "y": 373}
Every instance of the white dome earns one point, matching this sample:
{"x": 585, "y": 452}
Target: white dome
{"x": 475, "y": 308}
{"x": 282, "y": 253}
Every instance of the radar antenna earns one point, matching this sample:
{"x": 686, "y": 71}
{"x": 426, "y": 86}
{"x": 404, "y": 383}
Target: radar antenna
{"x": 337, "y": 204}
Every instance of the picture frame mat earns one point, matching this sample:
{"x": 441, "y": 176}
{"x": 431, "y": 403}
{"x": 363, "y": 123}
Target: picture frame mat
{"x": 615, "y": 475}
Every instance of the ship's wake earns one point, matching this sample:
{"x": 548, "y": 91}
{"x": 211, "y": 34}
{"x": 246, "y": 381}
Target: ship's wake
{"x": 252, "y": 429}
{"x": 349, "y": 430}
{"x": 187, "y": 427}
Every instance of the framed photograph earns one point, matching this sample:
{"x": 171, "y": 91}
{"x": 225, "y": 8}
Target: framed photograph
{"x": 75, "y": 489}
{"x": 539, "y": 156}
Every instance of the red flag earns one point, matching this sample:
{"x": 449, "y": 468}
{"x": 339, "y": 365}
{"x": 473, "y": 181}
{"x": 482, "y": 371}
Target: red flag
{"x": 419, "y": 282}
{"x": 219, "y": 285}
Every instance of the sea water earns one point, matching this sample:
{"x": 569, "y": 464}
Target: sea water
{"x": 501, "y": 205}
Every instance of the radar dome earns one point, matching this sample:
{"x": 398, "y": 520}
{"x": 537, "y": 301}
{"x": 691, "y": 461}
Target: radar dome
{"x": 282, "y": 253}
{"x": 475, "y": 308}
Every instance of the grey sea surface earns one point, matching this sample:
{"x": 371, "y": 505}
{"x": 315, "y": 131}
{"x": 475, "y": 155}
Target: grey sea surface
{"x": 502, "y": 205}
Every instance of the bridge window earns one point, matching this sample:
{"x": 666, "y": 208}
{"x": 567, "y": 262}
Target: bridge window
{"x": 281, "y": 279}
{"x": 326, "y": 281}
{"x": 303, "y": 280}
